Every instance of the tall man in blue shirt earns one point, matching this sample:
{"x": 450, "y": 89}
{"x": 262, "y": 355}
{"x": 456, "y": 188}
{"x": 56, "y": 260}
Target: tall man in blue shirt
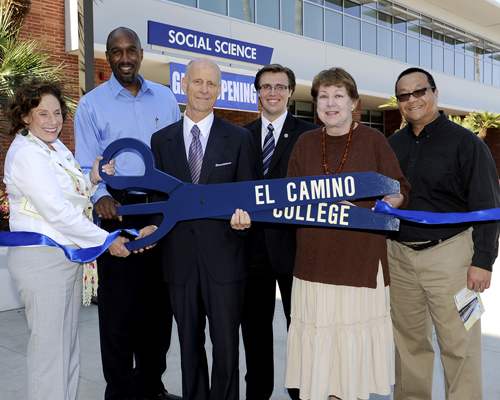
{"x": 135, "y": 317}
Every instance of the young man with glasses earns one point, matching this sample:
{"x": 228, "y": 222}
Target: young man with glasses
{"x": 450, "y": 170}
{"x": 272, "y": 245}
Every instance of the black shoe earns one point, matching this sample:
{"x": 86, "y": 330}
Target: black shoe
{"x": 294, "y": 394}
{"x": 161, "y": 396}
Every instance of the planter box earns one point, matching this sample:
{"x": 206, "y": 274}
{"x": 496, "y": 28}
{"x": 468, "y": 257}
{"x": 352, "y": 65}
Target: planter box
{"x": 9, "y": 299}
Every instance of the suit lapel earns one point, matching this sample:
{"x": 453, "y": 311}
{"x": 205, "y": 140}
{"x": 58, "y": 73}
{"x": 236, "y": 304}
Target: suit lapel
{"x": 178, "y": 152}
{"x": 285, "y": 140}
{"x": 215, "y": 147}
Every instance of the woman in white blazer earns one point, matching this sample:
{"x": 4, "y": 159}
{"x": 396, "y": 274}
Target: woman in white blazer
{"x": 49, "y": 194}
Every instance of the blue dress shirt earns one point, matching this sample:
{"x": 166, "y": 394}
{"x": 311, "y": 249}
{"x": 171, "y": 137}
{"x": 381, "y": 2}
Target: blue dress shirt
{"x": 111, "y": 112}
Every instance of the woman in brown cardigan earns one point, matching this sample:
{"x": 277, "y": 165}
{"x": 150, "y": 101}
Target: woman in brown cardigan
{"x": 340, "y": 341}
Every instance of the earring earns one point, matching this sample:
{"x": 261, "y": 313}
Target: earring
{"x": 24, "y": 131}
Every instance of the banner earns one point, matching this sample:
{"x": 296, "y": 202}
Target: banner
{"x": 237, "y": 91}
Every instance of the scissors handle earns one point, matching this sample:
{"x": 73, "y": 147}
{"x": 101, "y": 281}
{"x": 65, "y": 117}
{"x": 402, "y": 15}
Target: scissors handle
{"x": 152, "y": 180}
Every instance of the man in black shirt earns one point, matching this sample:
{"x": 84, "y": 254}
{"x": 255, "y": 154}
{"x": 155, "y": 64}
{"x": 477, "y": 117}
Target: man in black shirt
{"x": 450, "y": 170}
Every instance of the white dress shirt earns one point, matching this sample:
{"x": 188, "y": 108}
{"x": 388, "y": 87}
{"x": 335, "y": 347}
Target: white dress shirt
{"x": 34, "y": 173}
{"x": 277, "y": 125}
{"x": 205, "y": 125}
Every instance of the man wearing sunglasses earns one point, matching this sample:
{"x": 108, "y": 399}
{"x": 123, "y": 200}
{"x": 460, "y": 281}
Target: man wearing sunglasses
{"x": 450, "y": 170}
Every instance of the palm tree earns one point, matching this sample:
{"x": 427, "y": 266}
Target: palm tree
{"x": 481, "y": 121}
{"x": 21, "y": 59}
{"x": 393, "y": 102}
{"x": 466, "y": 123}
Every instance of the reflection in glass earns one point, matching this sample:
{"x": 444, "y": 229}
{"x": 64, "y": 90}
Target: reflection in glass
{"x": 365, "y": 115}
{"x": 352, "y": 8}
{"x": 479, "y": 66}
{"x": 437, "y": 58}
{"x": 216, "y": 6}
{"x": 377, "y": 117}
{"x": 352, "y": 33}
{"x": 291, "y": 16}
{"x": 369, "y": 44}
{"x": 334, "y": 4}
{"x": 459, "y": 45}
{"x": 384, "y": 42}
{"x": 369, "y": 15}
{"x": 437, "y": 38}
{"x": 333, "y": 30}
{"x": 413, "y": 30}
{"x": 460, "y": 65}
{"x": 449, "y": 42}
{"x": 449, "y": 61}
{"x": 384, "y": 20}
{"x": 488, "y": 70}
{"x": 470, "y": 68}
{"x": 191, "y": 3}
{"x": 242, "y": 9}
{"x": 399, "y": 25}
{"x": 426, "y": 34}
{"x": 425, "y": 54}
{"x": 268, "y": 13}
{"x": 399, "y": 47}
{"x": 413, "y": 51}
{"x": 313, "y": 21}
{"x": 496, "y": 75}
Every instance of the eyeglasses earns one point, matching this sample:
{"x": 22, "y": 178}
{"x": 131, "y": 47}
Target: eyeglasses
{"x": 268, "y": 88}
{"x": 404, "y": 97}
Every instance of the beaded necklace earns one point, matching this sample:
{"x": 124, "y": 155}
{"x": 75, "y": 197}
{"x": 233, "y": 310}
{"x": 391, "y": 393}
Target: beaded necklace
{"x": 344, "y": 158}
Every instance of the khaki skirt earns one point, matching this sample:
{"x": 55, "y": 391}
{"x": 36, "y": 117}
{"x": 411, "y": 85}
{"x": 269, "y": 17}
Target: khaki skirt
{"x": 340, "y": 341}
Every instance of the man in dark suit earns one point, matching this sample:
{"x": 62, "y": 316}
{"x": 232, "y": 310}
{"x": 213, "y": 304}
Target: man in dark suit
{"x": 204, "y": 260}
{"x": 274, "y": 135}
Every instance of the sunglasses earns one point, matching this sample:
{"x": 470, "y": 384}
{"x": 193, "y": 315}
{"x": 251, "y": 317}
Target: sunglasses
{"x": 404, "y": 97}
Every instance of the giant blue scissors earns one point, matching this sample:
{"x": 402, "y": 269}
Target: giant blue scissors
{"x": 277, "y": 200}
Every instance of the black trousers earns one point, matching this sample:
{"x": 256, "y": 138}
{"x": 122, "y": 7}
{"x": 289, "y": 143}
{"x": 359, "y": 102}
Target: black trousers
{"x": 199, "y": 299}
{"x": 135, "y": 319}
{"x": 257, "y": 321}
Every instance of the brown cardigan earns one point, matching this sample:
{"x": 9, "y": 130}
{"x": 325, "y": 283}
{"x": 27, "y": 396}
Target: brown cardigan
{"x": 339, "y": 256}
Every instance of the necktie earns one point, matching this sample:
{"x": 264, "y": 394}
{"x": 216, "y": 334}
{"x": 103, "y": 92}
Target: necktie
{"x": 268, "y": 150}
{"x": 195, "y": 158}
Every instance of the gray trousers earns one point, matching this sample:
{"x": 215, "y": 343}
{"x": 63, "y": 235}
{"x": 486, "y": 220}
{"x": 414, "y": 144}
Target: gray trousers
{"x": 51, "y": 288}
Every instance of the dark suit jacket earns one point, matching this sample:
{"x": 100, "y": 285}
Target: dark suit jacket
{"x": 221, "y": 247}
{"x": 280, "y": 238}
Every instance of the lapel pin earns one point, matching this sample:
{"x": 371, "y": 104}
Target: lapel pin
{"x": 286, "y": 135}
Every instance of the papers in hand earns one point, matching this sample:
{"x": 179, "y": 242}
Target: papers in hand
{"x": 470, "y": 306}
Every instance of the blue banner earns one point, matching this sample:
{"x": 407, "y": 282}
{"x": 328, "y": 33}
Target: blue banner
{"x": 237, "y": 91}
{"x": 179, "y": 38}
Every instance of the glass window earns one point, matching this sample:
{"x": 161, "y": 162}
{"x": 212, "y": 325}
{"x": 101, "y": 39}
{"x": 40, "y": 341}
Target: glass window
{"x": 320, "y": 2}
{"x": 496, "y": 58}
{"x": 365, "y": 115}
{"x": 425, "y": 54}
{"x": 352, "y": 33}
{"x": 216, "y": 6}
{"x": 384, "y": 20}
{"x": 369, "y": 44}
{"x": 191, "y": 3}
{"x": 413, "y": 51}
{"x": 377, "y": 117}
{"x": 496, "y": 75}
{"x": 437, "y": 38}
{"x": 242, "y": 9}
{"x": 369, "y": 14}
{"x": 437, "y": 58}
{"x": 352, "y": 8}
{"x": 470, "y": 49}
{"x": 268, "y": 13}
{"x": 384, "y": 3}
{"x": 333, "y": 24}
{"x": 449, "y": 61}
{"x": 449, "y": 42}
{"x": 384, "y": 42}
{"x": 459, "y": 45}
{"x": 413, "y": 30}
{"x": 479, "y": 64}
{"x": 460, "y": 65}
{"x": 334, "y": 4}
{"x": 488, "y": 70}
{"x": 399, "y": 24}
{"x": 291, "y": 16}
{"x": 313, "y": 21}
{"x": 470, "y": 72}
{"x": 399, "y": 47}
{"x": 426, "y": 34}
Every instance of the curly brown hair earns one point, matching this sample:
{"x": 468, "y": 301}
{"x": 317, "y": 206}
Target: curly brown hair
{"x": 335, "y": 77}
{"x": 28, "y": 97}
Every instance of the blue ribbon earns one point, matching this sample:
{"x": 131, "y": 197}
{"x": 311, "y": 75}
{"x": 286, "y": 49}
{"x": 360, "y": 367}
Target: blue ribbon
{"x": 15, "y": 239}
{"x": 425, "y": 217}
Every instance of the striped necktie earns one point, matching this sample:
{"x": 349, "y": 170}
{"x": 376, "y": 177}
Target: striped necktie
{"x": 268, "y": 149}
{"x": 195, "y": 158}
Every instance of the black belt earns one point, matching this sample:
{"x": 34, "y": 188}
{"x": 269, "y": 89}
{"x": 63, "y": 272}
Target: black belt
{"x": 423, "y": 246}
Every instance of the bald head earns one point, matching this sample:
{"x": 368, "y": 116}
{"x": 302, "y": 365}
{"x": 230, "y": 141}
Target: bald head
{"x": 203, "y": 62}
{"x": 122, "y": 31}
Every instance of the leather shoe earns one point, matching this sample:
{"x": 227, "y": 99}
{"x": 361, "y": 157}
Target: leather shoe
{"x": 161, "y": 396}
